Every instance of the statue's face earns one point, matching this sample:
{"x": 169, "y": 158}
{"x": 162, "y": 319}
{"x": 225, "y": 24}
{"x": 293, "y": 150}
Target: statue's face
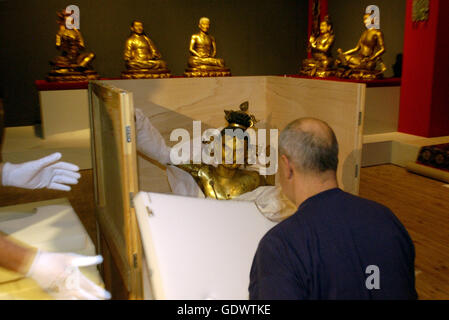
{"x": 137, "y": 27}
{"x": 229, "y": 150}
{"x": 204, "y": 25}
{"x": 366, "y": 19}
{"x": 324, "y": 27}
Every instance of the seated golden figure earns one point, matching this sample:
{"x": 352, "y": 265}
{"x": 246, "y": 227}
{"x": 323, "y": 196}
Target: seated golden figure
{"x": 364, "y": 61}
{"x": 72, "y": 64}
{"x": 203, "y": 49}
{"x": 227, "y": 180}
{"x": 142, "y": 59}
{"x": 321, "y": 63}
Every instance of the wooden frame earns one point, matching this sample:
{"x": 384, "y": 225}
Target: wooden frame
{"x": 114, "y": 165}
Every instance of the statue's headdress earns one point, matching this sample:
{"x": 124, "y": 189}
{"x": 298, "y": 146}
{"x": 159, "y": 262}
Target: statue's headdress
{"x": 62, "y": 15}
{"x": 240, "y": 119}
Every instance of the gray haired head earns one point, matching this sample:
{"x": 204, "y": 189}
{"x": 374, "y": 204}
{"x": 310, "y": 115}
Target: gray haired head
{"x": 310, "y": 144}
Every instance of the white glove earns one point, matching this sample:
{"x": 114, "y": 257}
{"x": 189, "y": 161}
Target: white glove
{"x": 42, "y": 173}
{"x": 58, "y": 274}
{"x": 149, "y": 140}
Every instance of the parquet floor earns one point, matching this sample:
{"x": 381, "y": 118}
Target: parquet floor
{"x": 421, "y": 204}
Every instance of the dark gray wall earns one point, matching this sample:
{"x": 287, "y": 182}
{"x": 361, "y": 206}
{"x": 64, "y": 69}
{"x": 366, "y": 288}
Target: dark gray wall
{"x": 255, "y": 37}
{"x": 347, "y": 16}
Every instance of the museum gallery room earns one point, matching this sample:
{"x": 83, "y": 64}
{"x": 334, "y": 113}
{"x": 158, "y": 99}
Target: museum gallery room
{"x": 331, "y": 180}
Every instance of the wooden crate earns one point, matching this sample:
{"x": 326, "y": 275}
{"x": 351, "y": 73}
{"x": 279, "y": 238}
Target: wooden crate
{"x": 175, "y": 103}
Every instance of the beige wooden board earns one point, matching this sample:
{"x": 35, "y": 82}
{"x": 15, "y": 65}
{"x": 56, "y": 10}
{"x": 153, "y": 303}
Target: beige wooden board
{"x": 63, "y": 111}
{"x": 175, "y": 103}
{"x": 381, "y": 110}
{"x": 114, "y": 163}
{"x": 340, "y": 104}
{"x": 275, "y": 101}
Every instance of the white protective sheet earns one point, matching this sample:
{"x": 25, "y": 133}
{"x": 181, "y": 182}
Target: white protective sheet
{"x": 198, "y": 248}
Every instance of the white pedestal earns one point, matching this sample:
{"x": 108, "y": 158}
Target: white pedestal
{"x": 63, "y": 111}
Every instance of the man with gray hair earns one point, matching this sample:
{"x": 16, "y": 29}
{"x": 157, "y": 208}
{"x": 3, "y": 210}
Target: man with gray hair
{"x": 337, "y": 245}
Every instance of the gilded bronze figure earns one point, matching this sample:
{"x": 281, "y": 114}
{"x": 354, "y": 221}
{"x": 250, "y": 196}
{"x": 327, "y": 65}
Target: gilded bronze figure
{"x": 202, "y": 61}
{"x": 142, "y": 59}
{"x": 321, "y": 62}
{"x": 227, "y": 181}
{"x": 72, "y": 64}
{"x": 364, "y": 62}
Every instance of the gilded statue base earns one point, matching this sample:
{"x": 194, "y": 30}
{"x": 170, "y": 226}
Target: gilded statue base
{"x": 191, "y": 73}
{"x": 359, "y": 74}
{"x": 62, "y": 75}
{"x": 146, "y": 74}
{"x": 319, "y": 73}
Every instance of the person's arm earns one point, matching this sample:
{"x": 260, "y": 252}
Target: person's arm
{"x": 272, "y": 276}
{"x": 56, "y": 273}
{"x": 15, "y": 257}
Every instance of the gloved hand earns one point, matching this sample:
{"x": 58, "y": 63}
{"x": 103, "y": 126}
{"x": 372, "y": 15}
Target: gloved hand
{"x": 42, "y": 173}
{"x": 149, "y": 140}
{"x": 58, "y": 274}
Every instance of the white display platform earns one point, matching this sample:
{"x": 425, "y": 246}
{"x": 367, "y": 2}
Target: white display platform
{"x": 21, "y": 144}
{"x": 198, "y": 248}
{"x": 63, "y": 111}
{"x": 395, "y": 147}
{"x": 48, "y": 225}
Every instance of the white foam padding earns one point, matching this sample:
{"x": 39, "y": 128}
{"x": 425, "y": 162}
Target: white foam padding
{"x": 198, "y": 248}
{"x": 54, "y": 228}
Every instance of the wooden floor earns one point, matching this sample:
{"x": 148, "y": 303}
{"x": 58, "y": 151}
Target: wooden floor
{"x": 420, "y": 203}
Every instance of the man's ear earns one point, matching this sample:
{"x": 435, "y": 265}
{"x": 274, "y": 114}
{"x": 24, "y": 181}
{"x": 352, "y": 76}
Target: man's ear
{"x": 287, "y": 167}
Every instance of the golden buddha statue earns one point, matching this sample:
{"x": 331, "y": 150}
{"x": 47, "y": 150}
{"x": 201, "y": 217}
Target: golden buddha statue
{"x": 72, "y": 64}
{"x": 203, "y": 49}
{"x": 142, "y": 59}
{"x": 321, "y": 63}
{"x": 364, "y": 62}
{"x": 227, "y": 181}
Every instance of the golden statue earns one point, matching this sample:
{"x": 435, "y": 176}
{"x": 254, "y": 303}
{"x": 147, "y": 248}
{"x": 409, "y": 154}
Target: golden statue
{"x": 203, "y": 49}
{"x": 321, "y": 63}
{"x": 142, "y": 59}
{"x": 364, "y": 62}
{"x": 228, "y": 181}
{"x": 72, "y": 64}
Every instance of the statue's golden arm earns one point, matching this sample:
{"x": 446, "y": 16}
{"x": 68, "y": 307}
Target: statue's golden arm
{"x": 192, "y": 46}
{"x": 80, "y": 38}
{"x": 381, "y": 44}
{"x": 214, "y": 47}
{"x": 357, "y": 48}
{"x": 127, "y": 53}
{"x": 193, "y": 169}
{"x": 324, "y": 48}
{"x": 154, "y": 52}
{"x": 58, "y": 40}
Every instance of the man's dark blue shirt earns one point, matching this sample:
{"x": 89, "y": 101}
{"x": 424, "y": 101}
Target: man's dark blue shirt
{"x": 330, "y": 249}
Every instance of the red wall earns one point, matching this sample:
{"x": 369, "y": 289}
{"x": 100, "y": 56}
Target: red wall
{"x": 424, "y": 108}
